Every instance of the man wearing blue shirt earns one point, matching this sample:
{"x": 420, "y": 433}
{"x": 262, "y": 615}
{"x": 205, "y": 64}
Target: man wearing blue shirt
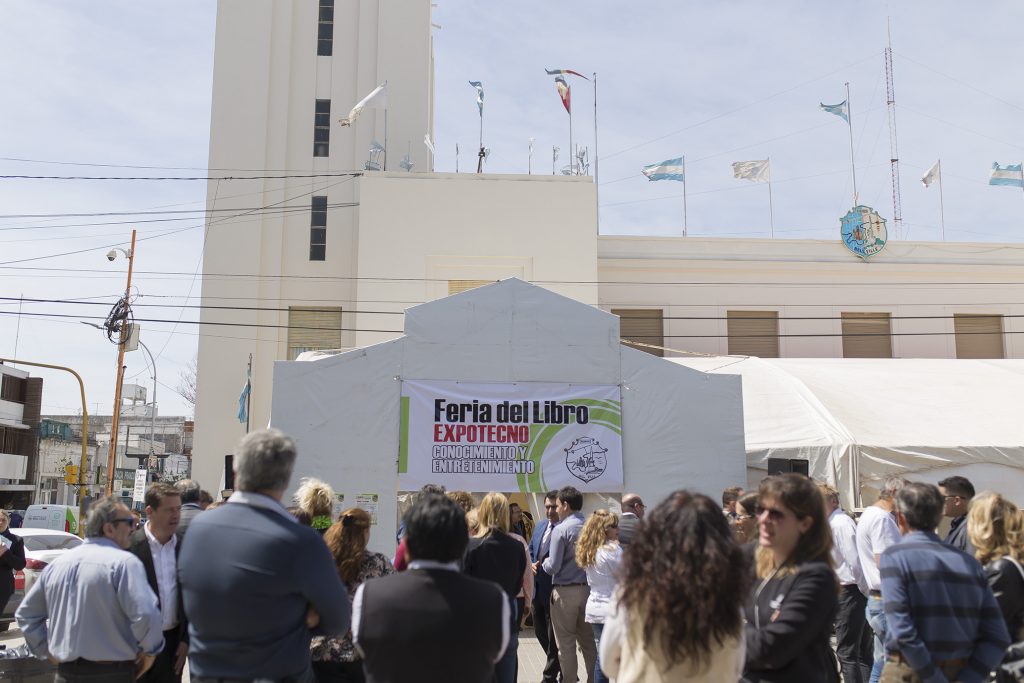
{"x": 569, "y": 590}
{"x": 942, "y": 620}
{"x": 92, "y": 611}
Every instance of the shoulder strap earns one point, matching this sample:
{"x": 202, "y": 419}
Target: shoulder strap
{"x": 1015, "y": 564}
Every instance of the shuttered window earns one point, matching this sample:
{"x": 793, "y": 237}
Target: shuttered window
{"x": 313, "y": 329}
{"x": 456, "y": 286}
{"x": 754, "y": 333}
{"x": 325, "y": 29}
{"x": 978, "y": 336}
{"x": 867, "y": 335}
{"x": 318, "y": 229}
{"x": 643, "y": 325}
{"x": 322, "y": 129}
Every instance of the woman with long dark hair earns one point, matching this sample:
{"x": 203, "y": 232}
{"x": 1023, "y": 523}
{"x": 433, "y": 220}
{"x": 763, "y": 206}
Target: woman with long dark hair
{"x": 678, "y": 614}
{"x": 795, "y": 597}
{"x": 335, "y": 660}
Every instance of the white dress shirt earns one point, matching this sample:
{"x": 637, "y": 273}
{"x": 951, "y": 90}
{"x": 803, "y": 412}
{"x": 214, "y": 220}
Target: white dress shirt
{"x": 166, "y": 565}
{"x": 844, "y": 550}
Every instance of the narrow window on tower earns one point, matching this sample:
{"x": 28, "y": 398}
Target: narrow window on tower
{"x": 325, "y": 29}
{"x": 318, "y": 230}
{"x": 322, "y": 129}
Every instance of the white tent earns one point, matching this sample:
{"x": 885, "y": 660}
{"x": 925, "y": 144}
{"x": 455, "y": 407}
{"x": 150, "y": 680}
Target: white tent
{"x": 857, "y": 421}
{"x": 680, "y": 427}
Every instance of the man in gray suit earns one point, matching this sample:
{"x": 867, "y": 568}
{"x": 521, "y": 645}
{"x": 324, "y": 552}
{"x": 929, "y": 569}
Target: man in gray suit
{"x": 632, "y": 512}
{"x": 258, "y": 585}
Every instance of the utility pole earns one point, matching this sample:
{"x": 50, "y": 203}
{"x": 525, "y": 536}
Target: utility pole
{"x": 894, "y": 157}
{"x": 112, "y": 457}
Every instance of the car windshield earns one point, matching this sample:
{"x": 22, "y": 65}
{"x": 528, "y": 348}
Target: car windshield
{"x": 47, "y": 542}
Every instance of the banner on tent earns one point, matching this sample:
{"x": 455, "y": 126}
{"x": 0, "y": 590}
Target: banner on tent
{"x": 526, "y": 436}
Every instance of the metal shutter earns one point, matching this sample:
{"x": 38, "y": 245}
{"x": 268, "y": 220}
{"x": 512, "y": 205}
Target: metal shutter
{"x": 867, "y": 335}
{"x": 754, "y": 333}
{"x": 978, "y": 336}
{"x": 311, "y": 329}
{"x": 643, "y": 325}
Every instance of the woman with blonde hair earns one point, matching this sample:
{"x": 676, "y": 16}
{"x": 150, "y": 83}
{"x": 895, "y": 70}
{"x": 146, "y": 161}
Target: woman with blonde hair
{"x": 335, "y": 660}
{"x": 995, "y": 527}
{"x": 496, "y": 555}
{"x": 316, "y": 499}
{"x": 598, "y": 553}
{"x": 794, "y": 601}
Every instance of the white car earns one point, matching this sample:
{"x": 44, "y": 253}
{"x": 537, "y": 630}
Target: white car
{"x": 42, "y": 546}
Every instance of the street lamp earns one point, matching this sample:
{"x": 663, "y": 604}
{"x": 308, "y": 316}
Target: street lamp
{"x": 112, "y": 457}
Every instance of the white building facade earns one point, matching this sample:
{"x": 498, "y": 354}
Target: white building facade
{"x": 332, "y": 261}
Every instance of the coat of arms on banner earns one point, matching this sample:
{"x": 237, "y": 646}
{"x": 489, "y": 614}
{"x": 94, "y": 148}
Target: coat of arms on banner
{"x": 585, "y": 459}
{"x": 863, "y": 231}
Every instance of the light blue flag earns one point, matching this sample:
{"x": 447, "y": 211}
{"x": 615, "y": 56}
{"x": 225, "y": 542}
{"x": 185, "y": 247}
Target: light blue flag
{"x": 243, "y": 399}
{"x": 479, "y": 95}
{"x": 671, "y": 169}
{"x": 842, "y": 110}
{"x": 1011, "y": 174}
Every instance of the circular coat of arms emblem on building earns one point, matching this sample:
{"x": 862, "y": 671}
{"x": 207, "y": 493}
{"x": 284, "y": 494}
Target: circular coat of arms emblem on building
{"x": 863, "y": 231}
{"x": 585, "y": 459}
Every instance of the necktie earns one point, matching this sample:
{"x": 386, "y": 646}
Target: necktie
{"x": 545, "y": 541}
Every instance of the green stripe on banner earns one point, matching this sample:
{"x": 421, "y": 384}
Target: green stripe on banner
{"x": 599, "y": 411}
{"x": 612, "y": 405}
{"x": 403, "y": 437}
{"x": 535, "y": 482}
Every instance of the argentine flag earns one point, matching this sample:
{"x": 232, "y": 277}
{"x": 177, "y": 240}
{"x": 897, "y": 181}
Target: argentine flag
{"x": 842, "y": 110}
{"x": 1011, "y": 175}
{"x": 671, "y": 169}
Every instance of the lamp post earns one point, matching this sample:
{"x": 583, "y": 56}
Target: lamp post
{"x": 112, "y": 457}
{"x": 152, "y": 422}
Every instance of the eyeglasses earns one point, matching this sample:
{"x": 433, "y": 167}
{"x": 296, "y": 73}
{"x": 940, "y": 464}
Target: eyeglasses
{"x": 774, "y": 514}
{"x": 127, "y": 520}
{"x": 743, "y": 518}
{"x": 948, "y": 497}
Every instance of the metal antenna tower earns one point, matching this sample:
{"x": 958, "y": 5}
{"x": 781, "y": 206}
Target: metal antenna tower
{"x": 894, "y": 160}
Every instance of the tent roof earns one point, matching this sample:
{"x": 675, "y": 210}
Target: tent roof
{"x": 887, "y": 415}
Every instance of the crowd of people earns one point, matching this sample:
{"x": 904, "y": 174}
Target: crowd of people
{"x": 754, "y": 589}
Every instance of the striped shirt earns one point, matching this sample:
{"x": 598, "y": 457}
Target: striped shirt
{"x": 938, "y": 607}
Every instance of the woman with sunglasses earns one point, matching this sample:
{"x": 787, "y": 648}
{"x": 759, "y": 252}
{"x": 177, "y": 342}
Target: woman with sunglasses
{"x": 598, "y": 553}
{"x": 745, "y": 523}
{"x": 795, "y": 594}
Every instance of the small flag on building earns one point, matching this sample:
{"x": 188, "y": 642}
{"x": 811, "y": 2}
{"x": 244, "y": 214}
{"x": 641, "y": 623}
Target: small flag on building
{"x": 671, "y": 169}
{"x": 1011, "y": 174}
{"x": 562, "y": 72}
{"x": 932, "y": 174}
{"x": 754, "y": 171}
{"x": 842, "y": 110}
{"x": 427, "y": 141}
{"x": 378, "y": 98}
{"x": 406, "y": 163}
{"x": 564, "y": 92}
{"x": 479, "y": 95}
{"x": 243, "y": 398}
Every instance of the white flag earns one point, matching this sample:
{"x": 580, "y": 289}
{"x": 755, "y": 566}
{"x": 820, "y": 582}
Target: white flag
{"x": 428, "y": 143}
{"x": 376, "y": 99}
{"x": 934, "y": 172}
{"x": 754, "y": 171}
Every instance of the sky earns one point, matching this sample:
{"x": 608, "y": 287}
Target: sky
{"x": 120, "y": 88}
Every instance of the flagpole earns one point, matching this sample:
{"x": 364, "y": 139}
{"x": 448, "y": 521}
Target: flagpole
{"x": 248, "y": 396}
{"x": 456, "y": 157}
{"x": 853, "y": 166}
{"x": 385, "y": 153}
{"x": 684, "y": 197}
{"x": 480, "y": 154}
{"x": 771, "y": 210}
{"x": 942, "y": 209}
{"x": 572, "y": 150}
{"x": 597, "y": 187}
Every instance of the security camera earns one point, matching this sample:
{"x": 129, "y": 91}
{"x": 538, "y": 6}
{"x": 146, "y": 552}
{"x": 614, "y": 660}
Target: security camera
{"x": 111, "y": 255}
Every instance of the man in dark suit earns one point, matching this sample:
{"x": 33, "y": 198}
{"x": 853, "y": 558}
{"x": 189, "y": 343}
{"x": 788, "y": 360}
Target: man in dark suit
{"x": 431, "y": 622}
{"x": 258, "y": 585}
{"x": 190, "y": 507}
{"x": 632, "y": 512}
{"x": 957, "y": 493}
{"x": 156, "y": 544}
{"x": 540, "y": 545}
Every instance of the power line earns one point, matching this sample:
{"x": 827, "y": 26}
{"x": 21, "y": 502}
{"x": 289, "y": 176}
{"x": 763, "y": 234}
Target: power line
{"x": 204, "y": 178}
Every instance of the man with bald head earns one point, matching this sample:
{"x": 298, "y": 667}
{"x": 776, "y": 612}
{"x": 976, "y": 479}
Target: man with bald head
{"x": 632, "y": 512}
